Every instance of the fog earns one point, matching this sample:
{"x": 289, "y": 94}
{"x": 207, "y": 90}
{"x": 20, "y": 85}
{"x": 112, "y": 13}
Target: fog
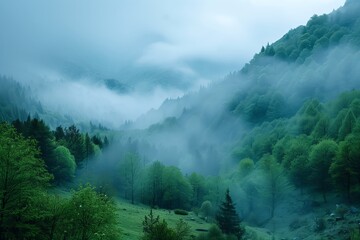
{"x": 65, "y": 50}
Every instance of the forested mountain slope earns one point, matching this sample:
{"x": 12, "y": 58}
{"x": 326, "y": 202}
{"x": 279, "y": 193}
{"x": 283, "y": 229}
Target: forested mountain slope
{"x": 318, "y": 60}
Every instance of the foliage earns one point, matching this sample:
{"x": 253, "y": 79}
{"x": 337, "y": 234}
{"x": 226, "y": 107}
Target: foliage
{"x": 345, "y": 169}
{"x": 64, "y": 163}
{"x": 22, "y": 178}
{"x": 246, "y": 166}
{"x": 213, "y": 234}
{"x": 74, "y": 141}
{"x": 321, "y": 157}
{"x": 207, "y": 209}
{"x": 154, "y": 229}
{"x": 275, "y": 184}
{"x": 181, "y": 212}
{"x": 90, "y": 215}
{"x": 199, "y": 189}
{"x": 227, "y": 218}
{"x": 130, "y": 169}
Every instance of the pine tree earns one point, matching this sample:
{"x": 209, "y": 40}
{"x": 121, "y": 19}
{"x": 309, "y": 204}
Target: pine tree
{"x": 348, "y": 125}
{"x": 227, "y": 218}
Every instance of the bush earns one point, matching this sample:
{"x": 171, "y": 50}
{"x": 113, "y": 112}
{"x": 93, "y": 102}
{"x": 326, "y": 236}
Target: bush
{"x": 154, "y": 229}
{"x": 181, "y": 212}
{"x": 206, "y": 209}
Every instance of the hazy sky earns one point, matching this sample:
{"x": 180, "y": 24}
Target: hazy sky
{"x": 194, "y": 37}
{"x": 159, "y": 32}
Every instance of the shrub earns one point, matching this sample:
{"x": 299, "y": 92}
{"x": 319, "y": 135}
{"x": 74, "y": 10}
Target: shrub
{"x": 181, "y": 212}
{"x": 206, "y": 209}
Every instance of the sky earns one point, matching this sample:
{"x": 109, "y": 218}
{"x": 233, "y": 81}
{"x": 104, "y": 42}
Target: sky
{"x": 187, "y": 36}
{"x": 158, "y": 32}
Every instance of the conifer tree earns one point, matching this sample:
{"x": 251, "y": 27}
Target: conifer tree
{"x": 348, "y": 125}
{"x": 227, "y": 218}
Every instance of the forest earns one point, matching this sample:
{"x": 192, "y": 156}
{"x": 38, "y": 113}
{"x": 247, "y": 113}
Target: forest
{"x": 272, "y": 151}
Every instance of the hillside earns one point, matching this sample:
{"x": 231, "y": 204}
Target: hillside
{"x": 318, "y": 60}
{"x": 269, "y": 152}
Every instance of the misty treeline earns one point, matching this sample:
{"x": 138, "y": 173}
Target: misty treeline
{"x": 315, "y": 151}
{"x": 16, "y": 101}
{"x": 124, "y": 171}
{"x": 29, "y": 210}
{"x": 62, "y": 150}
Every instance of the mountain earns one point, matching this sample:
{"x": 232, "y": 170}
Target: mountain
{"x": 318, "y": 60}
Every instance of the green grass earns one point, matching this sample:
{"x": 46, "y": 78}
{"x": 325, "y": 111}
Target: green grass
{"x": 132, "y": 216}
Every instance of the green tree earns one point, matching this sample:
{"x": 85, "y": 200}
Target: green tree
{"x": 91, "y": 215}
{"x": 207, "y": 209}
{"x": 59, "y": 133}
{"x": 89, "y": 148}
{"x": 22, "y": 178}
{"x": 321, "y": 157}
{"x": 52, "y": 208}
{"x": 275, "y": 184}
{"x": 296, "y": 161}
{"x": 198, "y": 188}
{"x": 321, "y": 129}
{"x": 154, "y": 229}
{"x": 75, "y": 143}
{"x": 182, "y": 231}
{"x": 246, "y": 166}
{"x": 97, "y": 141}
{"x": 38, "y": 130}
{"x": 348, "y": 124}
{"x": 336, "y": 124}
{"x": 346, "y": 168}
{"x": 309, "y": 117}
{"x": 177, "y": 189}
{"x": 130, "y": 170}
{"x": 64, "y": 165}
{"x": 155, "y": 183}
{"x": 227, "y": 218}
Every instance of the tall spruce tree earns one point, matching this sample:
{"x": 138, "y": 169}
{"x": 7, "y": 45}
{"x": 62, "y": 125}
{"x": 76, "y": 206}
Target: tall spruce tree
{"x": 227, "y": 218}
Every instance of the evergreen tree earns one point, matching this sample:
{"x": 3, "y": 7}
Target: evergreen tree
{"x": 348, "y": 125}
{"x": 97, "y": 141}
{"x": 227, "y": 218}
{"x": 59, "y": 133}
{"x": 75, "y": 143}
{"x": 89, "y": 149}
